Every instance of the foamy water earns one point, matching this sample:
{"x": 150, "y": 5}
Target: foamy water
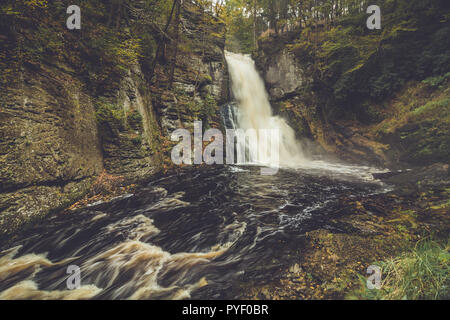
{"x": 255, "y": 112}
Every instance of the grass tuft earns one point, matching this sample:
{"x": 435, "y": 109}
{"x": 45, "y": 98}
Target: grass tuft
{"x": 420, "y": 274}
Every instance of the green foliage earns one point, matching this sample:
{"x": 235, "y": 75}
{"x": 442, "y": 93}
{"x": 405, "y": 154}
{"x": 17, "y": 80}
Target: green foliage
{"x": 438, "y": 81}
{"x": 107, "y": 113}
{"x": 112, "y": 37}
{"x": 48, "y": 43}
{"x": 137, "y": 140}
{"x": 421, "y": 273}
{"x": 116, "y": 52}
{"x": 209, "y": 108}
{"x": 128, "y": 52}
{"x": 357, "y": 66}
{"x": 36, "y": 3}
{"x": 135, "y": 120}
{"x": 135, "y": 116}
{"x": 433, "y": 109}
{"x": 114, "y": 116}
{"x": 239, "y": 33}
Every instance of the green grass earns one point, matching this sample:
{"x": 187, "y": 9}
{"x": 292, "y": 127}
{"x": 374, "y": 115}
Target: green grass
{"x": 419, "y": 274}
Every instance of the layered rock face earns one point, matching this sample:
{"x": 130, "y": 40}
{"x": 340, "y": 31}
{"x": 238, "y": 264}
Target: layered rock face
{"x": 200, "y": 80}
{"x": 284, "y": 75}
{"x": 289, "y": 84}
{"x": 58, "y": 133}
{"x": 50, "y": 145}
{"x": 129, "y": 136}
{"x": 410, "y": 128}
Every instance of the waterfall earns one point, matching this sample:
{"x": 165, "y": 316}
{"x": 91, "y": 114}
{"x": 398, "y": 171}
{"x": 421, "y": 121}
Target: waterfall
{"x": 255, "y": 112}
{"x": 229, "y": 115}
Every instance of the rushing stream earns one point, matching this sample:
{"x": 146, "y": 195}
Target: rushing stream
{"x": 220, "y": 226}
{"x": 199, "y": 233}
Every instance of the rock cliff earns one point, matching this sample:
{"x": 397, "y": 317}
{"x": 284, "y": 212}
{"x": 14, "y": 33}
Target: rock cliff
{"x": 69, "y": 115}
{"x": 409, "y": 128}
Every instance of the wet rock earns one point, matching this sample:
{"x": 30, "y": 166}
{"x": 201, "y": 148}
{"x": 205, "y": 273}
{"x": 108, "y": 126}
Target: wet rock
{"x": 29, "y": 204}
{"x": 295, "y": 270}
{"x": 284, "y": 75}
{"x": 386, "y": 175}
{"x": 433, "y": 176}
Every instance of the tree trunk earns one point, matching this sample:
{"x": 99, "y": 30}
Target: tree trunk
{"x": 254, "y": 25}
{"x": 176, "y": 38}
{"x": 161, "y": 42}
{"x": 119, "y": 14}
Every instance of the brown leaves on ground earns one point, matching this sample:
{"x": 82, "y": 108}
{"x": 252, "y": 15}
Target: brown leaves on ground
{"x": 104, "y": 188}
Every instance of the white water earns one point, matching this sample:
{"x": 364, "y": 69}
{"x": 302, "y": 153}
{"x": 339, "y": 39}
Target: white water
{"x": 255, "y": 112}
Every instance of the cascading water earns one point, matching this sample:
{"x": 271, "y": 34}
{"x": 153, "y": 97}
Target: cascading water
{"x": 255, "y": 112}
{"x": 229, "y": 115}
{"x": 204, "y": 232}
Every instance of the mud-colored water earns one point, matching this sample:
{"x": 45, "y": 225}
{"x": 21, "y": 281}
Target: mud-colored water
{"x": 201, "y": 233}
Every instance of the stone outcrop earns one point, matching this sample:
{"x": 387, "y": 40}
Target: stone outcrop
{"x": 395, "y": 140}
{"x": 289, "y": 84}
{"x": 129, "y": 143}
{"x": 284, "y": 75}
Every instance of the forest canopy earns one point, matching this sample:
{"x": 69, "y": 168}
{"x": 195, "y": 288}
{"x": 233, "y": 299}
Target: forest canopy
{"x": 351, "y": 64}
{"x": 350, "y": 61}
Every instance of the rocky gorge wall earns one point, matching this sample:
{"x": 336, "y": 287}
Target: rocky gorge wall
{"x": 408, "y": 129}
{"x": 50, "y": 145}
{"x": 63, "y": 123}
